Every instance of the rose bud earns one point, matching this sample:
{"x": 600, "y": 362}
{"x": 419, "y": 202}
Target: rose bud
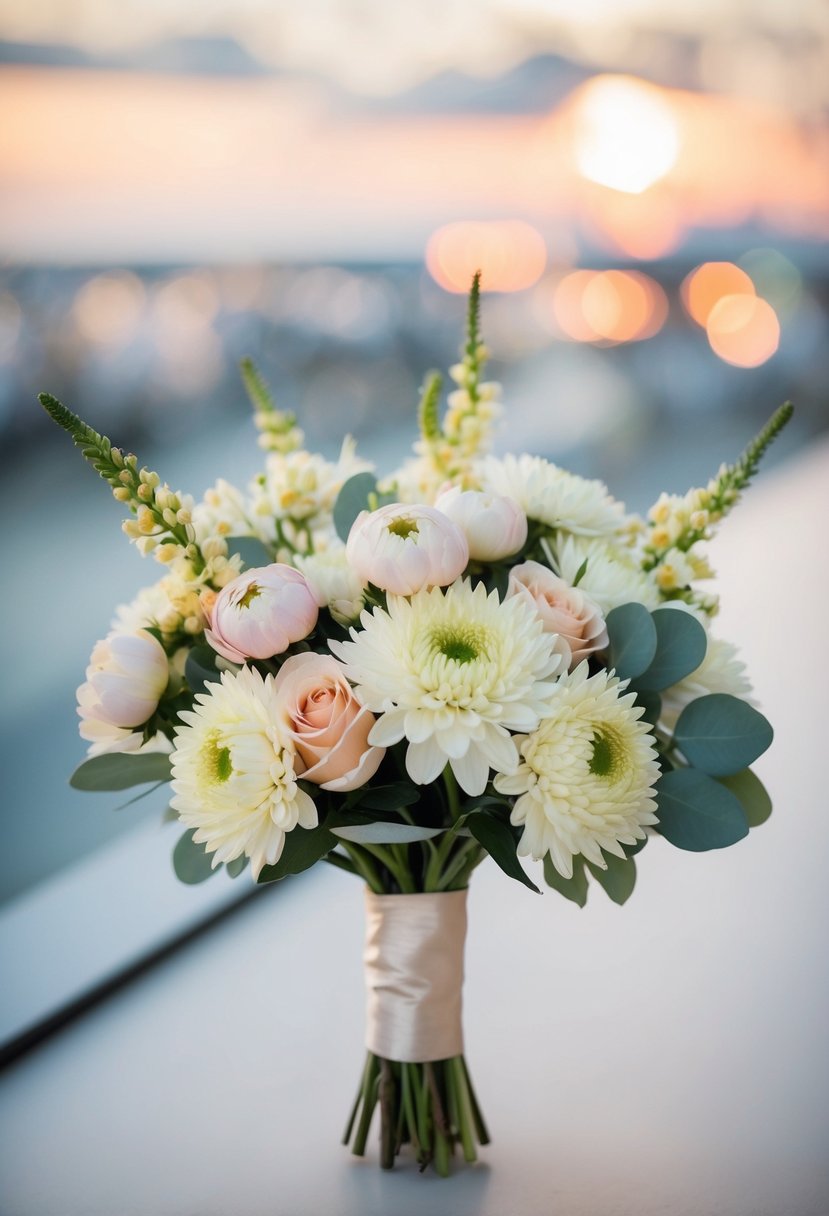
{"x": 328, "y": 725}
{"x": 493, "y": 524}
{"x": 564, "y": 610}
{"x": 402, "y": 548}
{"x": 261, "y": 612}
{"x": 126, "y": 676}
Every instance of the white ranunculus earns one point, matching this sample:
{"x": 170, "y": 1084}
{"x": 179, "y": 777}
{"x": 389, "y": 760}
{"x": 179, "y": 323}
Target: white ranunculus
{"x": 126, "y": 676}
{"x": 402, "y": 549}
{"x": 494, "y": 524}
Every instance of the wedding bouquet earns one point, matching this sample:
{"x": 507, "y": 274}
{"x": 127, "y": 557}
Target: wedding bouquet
{"x": 476, "y": 656}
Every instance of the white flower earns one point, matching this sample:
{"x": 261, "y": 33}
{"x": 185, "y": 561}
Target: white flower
{"x": 333, "y": 582}
{"x": 586, "y": 777}
{"x": 402, "y": 549}
{"x": 234, "y": 776}
{"x": 222, "y": 512}
{"x": 126, "y": 676}
{"x": 453, "y": 673}
{"x": 611, "y": 576}
{"x": 720, "y": 671}
{"x": 552, "y": 495}
{"x": 302, "y": 488}
{"x": 565, "y": 611}
{"x": 494, "y": 526}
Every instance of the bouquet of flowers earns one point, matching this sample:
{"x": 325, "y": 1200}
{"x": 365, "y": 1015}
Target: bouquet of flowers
{"x": 476, "y": 656}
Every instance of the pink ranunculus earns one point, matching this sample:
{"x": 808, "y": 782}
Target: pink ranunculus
{"x": 261, "y": 612}
{"x": 494, "y": 525}
{"x": 402, "y": 548}
{"x": 564, "y": 610}
{"x": 328, "y": 725}
{"x": 126, "y": 676}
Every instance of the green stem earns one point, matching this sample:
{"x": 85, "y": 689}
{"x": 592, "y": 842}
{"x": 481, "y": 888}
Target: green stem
{"x": 366, "y": 868}
{"x": 400, "y": 872}
{"x": 370, "y": 1094}
{"x": 342, "y": 863}
{"x": 464, "y": 1110}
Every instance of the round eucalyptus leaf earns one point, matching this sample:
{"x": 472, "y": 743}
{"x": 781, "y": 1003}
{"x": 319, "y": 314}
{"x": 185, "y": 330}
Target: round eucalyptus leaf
{"x": 120, "y": 770}
{"x": 253, "y": 552}
{"x": 681, "y": 643}
{"x": 753, "y": 796}
{"x": 698, "y": 813}
{"x": 721, "y": 734}
{"x": 632, "y": 634}
{"x": 191, "y": 862}
{"x": 351, "y": 500}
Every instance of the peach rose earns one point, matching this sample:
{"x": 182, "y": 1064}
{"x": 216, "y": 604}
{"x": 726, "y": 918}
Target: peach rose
{"x": 564, "y": 610}
{"x": 328, "y": 725}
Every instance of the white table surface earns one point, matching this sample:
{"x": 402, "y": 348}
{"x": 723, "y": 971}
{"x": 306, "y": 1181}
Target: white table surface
{"x": 669, "y": 1057}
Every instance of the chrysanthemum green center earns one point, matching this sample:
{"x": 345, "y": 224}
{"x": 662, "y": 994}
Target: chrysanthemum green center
{"x": 252, "y": 592}
{"x": 609, "y": 753}
{"x": 403, "y": 527}
{"x": 461, "y": 643}
{"x": 216, "y": 765}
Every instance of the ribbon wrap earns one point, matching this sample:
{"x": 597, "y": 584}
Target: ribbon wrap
{"x": 414, "y": 974}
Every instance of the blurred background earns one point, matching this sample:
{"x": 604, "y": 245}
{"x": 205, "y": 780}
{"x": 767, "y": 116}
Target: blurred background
{"x": 645, "y": 187}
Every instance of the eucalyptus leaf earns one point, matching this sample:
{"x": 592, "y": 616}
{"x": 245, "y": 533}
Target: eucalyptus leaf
{"x": 574, "y": 888}
{"x": 253, "y": 552}
{"x": 303, "y": 847}
{"x": 200, "y": 668}
{"x": 191, "y": 862}
{"x": 698, "y": 813}
{"x": 137, "y": 797}
{"x": 235, "y": 868}
{"x": 351, "y": 500}
{"x": 651, "y": 702}
{"x": 721, "y": 734}
{"x": 388, "y": 797}
{"x": 120, "y": 770}
{"x": 495, "y": 835}
{"x": 753, "y": 796}
{"x": 632, "y": 634}
{"x": 681, "y": 643}
{"x": 618, "y": 879}
{"x": 381, "y": 832}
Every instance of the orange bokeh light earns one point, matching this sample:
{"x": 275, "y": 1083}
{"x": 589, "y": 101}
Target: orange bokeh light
{"x": 704, "y": 287}
{"x": 510, "y": 254}
{"x": 743, "y": 330}
{"x": 609, "y": 306}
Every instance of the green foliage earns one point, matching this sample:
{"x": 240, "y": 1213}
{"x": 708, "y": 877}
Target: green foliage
{"x": 473, "y": 318}
{"x": 428, "y": 410}
{"x": 200, "y": 667}
{"x": 618, "y": 880}
{"x": 736, "y": 477}
{"x": 235, "y": 868}
{"x": 358, "y": 494}
{"x": 191, "y": 862}
{"x": 303, "y": 847}
{"x": 752, "y": 794}
{"x": 632, "y": 633}
{"x": 496, "y": 836}
{"x": 651, "y": 702}
{"x": 698, "y": 813}
{"x": 251, "y": 549}
{"x": 96, "y": 448}
{"x": 120, "y": 770}
{"x": 255, "y": 387}
{"x": 681, "y": 643}
{"x": 574, "y": 888}
{"x": 382, "y": 832}
{"x": 387, "y": 797}
{"x": 721, "y": 735}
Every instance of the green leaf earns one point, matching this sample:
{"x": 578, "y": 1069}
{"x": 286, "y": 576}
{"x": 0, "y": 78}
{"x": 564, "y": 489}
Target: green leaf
{"x": 752, "y": 794}
{"x": 191, "y": 862}
{"x": 351, "y": 500}
{"x": 721, "y": 734}
{"x": 388, "y": 797}
{"x": 381, "y": 832}
{"x": 200, "y": 668}
{"x": 120, "y": 770}
{"x": 632, "y": 849}
{"x": 251, "y": 549}
{"x": 303, "y": 847}
{"x": 618, "y": 879}
{"x": 698, "y": 813}
{"x": 497, "y": 838}
{"x": 681, "y": 643}
{"x": 651, "y": 702}
{"x": 144, "y": 794}
{"x": 574, "y": 888}
{"x": 235, "y": 868}
{"x": 632, "y": 634}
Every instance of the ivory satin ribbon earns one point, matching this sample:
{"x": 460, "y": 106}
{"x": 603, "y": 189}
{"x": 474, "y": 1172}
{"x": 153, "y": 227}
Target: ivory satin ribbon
{"x": 414, "y": 974}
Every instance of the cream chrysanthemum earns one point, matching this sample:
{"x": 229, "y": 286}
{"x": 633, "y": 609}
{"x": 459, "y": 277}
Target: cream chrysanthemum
{"x": 611, "y": 574}
{"x": 720, "y": 671}
{"x": 453, "y": 673}
{"x": 552, "y": 495}
{"x": 586, "y": 777}
{"x": 233, "y": 772}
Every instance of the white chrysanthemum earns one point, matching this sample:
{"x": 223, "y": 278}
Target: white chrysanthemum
{"x": 143, "y": 611}
{"x": 333, "y": 582}
{"x": 720, "y": 671}
{"x": 233, "y": 772}
{"x": 552, "y": 495}
{"x": 453, "y": 673}
{"x": 586, "y": 777}
{"x": 612, "y": 575}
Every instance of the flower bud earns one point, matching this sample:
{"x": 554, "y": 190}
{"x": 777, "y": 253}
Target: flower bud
{"x": 261, "y": 612}
{"x": 493, "y": 524}
{"x": 126, "y": 676}
{"x": 402, "y": 548}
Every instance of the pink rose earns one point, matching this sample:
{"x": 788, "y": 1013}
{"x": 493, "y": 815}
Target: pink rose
{"x": 564, "y": 610}
{"x": 402, "y": 548}
{"x": 261, "y": 612}
{"x": 328, "y": 725}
